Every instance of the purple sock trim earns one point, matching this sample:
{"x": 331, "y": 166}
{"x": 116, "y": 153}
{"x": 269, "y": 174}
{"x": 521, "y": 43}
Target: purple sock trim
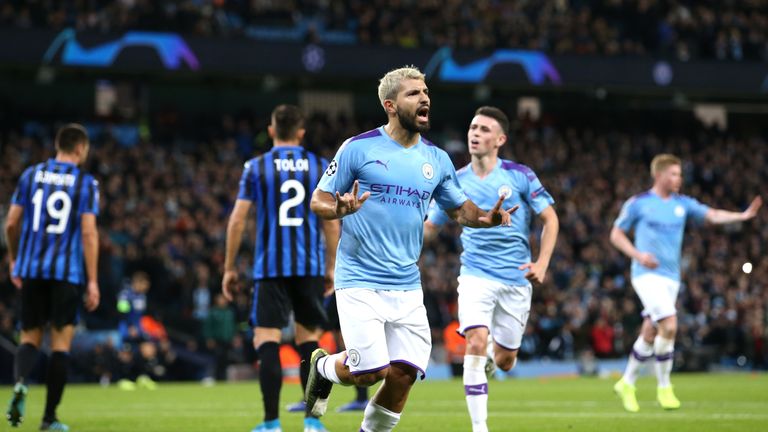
{"x": 476, "y": 389}
{"x": 641, "y": 357}
{"x": 421, "y": 371}
{"x": 665, "y": 357}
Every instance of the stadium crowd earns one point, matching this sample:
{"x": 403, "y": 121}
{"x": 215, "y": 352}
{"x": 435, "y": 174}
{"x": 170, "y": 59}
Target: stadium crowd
{"x": 166, "y": 197}
{"x": 682, "y": 29}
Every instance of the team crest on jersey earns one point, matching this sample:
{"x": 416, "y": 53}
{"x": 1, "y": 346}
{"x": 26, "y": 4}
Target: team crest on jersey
{"x": 428, "y": 171}
{"x": 679, "y": 211}
{"x": 332, "y": 167}
{"x": 505, "y": 191}
{"x": 354, "y": 357}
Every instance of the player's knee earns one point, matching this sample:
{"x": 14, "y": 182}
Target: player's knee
{"x": 476, "y": 342}
{"x": 402, "y": 377}
{"x": 506, "y": 360}
{"x": 668, "y": 327}
{"x": 475, "y": 346}
{"x": 370, "y": 378}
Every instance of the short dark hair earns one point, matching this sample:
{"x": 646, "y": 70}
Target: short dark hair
{"x": 495, "y": 114}
{"x": 287, "y": 120}
{"x": 69, "y": 136}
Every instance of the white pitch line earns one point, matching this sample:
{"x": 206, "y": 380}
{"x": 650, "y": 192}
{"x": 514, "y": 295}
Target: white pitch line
{"x": 554, "y": 414}
{"x": 592, "y": 404}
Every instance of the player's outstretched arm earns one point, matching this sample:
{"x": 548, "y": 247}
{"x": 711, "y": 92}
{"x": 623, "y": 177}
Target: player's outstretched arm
{"x": 328, "y": 206}
{"x": 621, "y": 242}
{"x": 235, "y": 227}
{"x": 472, "y": 216}
{"x": 90, "y": 236}
{"x": 537, "y": 270}
{"x": 12, "y": 234}
{"x": 719, "y": 216}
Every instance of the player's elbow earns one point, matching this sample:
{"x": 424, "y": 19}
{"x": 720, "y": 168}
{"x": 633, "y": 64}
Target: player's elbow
{"x": 236, "y": 224}
{"x": 616, "y": 236}
{"x": 314, "y": 204}
{"x": 11, "y": 226}
{"x": 90, "y": 234}
{"x": 320, "y": 202}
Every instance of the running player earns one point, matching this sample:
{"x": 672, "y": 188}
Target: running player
{"x": 496, "y": 268}
{"x": 378, "y": 286}
{"x": 658, "y": 218}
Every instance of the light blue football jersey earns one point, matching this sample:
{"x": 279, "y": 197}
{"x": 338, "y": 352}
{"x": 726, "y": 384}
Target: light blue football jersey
{"x": 659, "y": 225}
{"x": 381, "y": 243}
{"x": 496, "y": 253}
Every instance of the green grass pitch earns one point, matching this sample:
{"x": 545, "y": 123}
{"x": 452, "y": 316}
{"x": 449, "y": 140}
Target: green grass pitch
{"x": 711, "y": 402}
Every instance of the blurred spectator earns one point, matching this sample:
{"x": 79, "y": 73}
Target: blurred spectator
{"x": 218, "y": 332}
{"x": 682, "y": 29}
{"x": 132, "y": 305}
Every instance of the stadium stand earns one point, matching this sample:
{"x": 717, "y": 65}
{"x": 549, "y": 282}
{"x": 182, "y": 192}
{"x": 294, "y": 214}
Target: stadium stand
{"x": 680, "y": 29}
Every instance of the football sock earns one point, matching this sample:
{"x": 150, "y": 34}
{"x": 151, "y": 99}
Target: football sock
{"x": 327, "y": 367}
{"x": 642, "y": 351}
{"x": 379, "y": 419}
{"x": 476, "y": 391}
{"x": 26, "y": 357}
{"x": 56, "y": 379}
{"x": 270, "y": 378}
{"x": 664, "y": 349}
{"x": 305, "y": 352}
{"x": 362, "y": 394}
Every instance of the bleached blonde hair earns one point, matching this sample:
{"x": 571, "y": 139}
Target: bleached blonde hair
{"x": 662, "y": 161}
{"x": 389, "y": 84}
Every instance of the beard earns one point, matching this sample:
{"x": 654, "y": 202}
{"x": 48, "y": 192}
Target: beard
{"x": 408, "y": 122}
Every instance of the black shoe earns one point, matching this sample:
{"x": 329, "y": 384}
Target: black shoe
{"x": 318, "y": 387}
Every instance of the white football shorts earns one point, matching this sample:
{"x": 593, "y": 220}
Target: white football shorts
{"x": 501, "y": 308}
{"x": 382, "y": 327}
{"x": 658, "y": 295}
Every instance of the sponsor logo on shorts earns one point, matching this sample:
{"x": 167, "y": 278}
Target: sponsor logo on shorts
{"x": 354, "y": 357}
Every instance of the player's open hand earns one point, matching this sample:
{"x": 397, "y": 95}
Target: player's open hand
{"x": 536, "y": 273}
{"x": 753, "y": 208}
{"x": 648, "y": 260}
{"x": 350, "y": 202}
{"x": 229, "y": 284}
{"x": 92, "y": 296}
{"x": 497, "y": 216}
{"x": 15, "y": 280}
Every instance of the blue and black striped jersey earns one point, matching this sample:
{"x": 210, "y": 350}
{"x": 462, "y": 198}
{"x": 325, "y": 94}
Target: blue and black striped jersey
{"x": 54, "y": 195}
{"x": 289, "y": 239}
